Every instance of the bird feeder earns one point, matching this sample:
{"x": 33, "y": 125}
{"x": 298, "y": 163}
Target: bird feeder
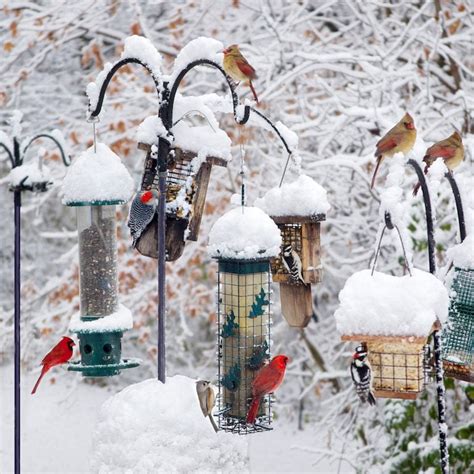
{"x": 195, "y": 150}
{"x": 95, "y": 183}
{"x": 458, "y": 334}
{"x": 33, "y": 176}
{"x": 297, "y": 208}
{"x": 243, "y": 241}
{"x": 393, "y": 317}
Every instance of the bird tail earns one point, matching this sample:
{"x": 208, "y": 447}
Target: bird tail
{"x": 379, "y": 159}
{"x": 213, "y": 423}
{"x": 253, "y": 91}
{"x": 253, "y": 410}
{"x": 43, "y": 371}
{"x": 416, "y": 188}
{"x": 371, "y": 399}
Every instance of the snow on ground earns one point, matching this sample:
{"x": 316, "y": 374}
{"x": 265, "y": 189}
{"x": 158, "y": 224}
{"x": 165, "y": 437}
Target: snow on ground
{"x": 389, "y": 305}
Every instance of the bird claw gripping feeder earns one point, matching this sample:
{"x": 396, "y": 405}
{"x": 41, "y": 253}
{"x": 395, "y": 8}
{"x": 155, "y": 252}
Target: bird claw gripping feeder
{"x": 195, "y": 150}
{"x": 393, "y": 318}
{"x": 298, "y": 209}
{"x": 458, "y": 333}
{"x": 243, "y": 241}
{"x": 96, "y": 182}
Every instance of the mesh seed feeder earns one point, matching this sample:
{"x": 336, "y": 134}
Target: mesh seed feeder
{"x": 298, "y": 209}
{"x": 458, "y": 333}
{"x": 393, "y": 318}
{"x": 95, "y": 183}
{"x": 194, "y": 151}
{"x": 243, "y": 241}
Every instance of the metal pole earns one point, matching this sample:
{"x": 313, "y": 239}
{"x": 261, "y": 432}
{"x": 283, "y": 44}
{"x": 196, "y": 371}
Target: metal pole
{"x": 17, "y": 357}
{"x": 459, "y": 208}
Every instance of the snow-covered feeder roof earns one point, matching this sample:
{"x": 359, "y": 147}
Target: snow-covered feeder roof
{"x": 246, "y": 235}
{"x": 462, "y": 255}
{"x": 97, "y": 178}
{"x": 156, "y": 427}
{"x": 29, "y": 175}
{"x": 386, "y": 305}
{"x": 302, "y": 197}
{"x": 121, "y": 320}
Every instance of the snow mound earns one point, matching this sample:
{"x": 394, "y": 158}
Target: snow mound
{"x": 155, "y": 427}
{"x": 32, "y": 172}
{"x": 96, "y": 177}
{"x": 150, "y": 129}
{"x": 248, "y": 235}
{"x": 121, "y": 320}
{"x": 302, "y": 197}
{"x": 142, "y": 48}
{"x": 391, "y": 306}
{"x": 462, "y": 255}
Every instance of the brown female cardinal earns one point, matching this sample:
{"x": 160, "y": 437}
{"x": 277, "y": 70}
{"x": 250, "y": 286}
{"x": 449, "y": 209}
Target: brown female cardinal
{"x": 400, "y": 138}
{"x": 267, "y": 380}
{"x": 238, "y": 68}
{"x": 59, "y": 354}
{"x": 451, "y": 150}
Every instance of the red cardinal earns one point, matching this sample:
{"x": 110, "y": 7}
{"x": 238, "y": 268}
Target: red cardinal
{"x": 267, "y": 380}
{"x": 58, "y": 355}
{"x": 238, "y": 68}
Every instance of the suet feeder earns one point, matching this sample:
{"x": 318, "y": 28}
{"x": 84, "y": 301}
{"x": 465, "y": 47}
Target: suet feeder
{"x": 458, "y": 333}
{"x": 195, "y": 150}
{"x": 242, "y": 241}
{"x": 95, "y": 183}
{"x": 298, "y": 208}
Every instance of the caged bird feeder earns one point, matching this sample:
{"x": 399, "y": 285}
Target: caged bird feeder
{"x": 243, "y": 241}
{"x": 458, "y": 333}
{"x": 96, "y": 182}
{"x": 297, "y": 208}
{"x": 195, "y": 150}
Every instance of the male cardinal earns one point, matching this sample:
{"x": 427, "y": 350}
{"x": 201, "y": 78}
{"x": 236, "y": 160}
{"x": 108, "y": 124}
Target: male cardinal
{"x": 267, "y": 380}
{"x": 451, "y": 150}
{"x": 238, "y": 68}
{"x": 59, "y": 354}
{"x": 400, "y": 138}
{"x": 207, "y": 400}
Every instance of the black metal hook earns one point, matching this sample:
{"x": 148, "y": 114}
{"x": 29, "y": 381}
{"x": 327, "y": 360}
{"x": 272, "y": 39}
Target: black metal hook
{"x": 459, "y": 207}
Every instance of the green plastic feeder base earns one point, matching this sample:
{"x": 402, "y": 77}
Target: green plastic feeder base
{"x": 103, "y": 370}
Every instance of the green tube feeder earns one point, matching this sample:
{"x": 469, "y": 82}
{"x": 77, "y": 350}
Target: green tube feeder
{"x": 102, "y": 320}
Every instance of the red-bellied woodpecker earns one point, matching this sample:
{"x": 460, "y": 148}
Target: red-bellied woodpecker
{"x": 361, "y": 374}
{"x": 141, "y": 213}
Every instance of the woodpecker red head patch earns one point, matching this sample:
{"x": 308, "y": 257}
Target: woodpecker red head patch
{"x": 146, "y": 197}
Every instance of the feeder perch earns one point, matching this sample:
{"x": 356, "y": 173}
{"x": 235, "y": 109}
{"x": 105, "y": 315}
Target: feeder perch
{"x": 297, "y": 208}
{"x": 186, "y": 183}
{"x": 244, "y": 318}
{"x": 458, "y": 333}
{"x": 102, "y": 319}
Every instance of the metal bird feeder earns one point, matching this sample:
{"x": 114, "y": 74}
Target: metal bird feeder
{"x": 243, "y": 340}
{"x": 458, "y": 333}
{"x": 186, "y": 189}
{"x": 302, "y": 234}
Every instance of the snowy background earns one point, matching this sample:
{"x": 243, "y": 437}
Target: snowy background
{"x": 337, "y": 73}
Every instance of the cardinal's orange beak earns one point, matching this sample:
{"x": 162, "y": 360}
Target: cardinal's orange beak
{"x": 411, "y": 126}
{"x": 225, "y": 50}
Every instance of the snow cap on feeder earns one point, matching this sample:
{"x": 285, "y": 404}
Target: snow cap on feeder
{"x": 243, "y": 240}
{"x": 458, "y": 333}
{"x": 393, "y": 316}
{"x": 297, "y": 208}
{"x": 33, "y": 176}
{"x": 94, "y": 184}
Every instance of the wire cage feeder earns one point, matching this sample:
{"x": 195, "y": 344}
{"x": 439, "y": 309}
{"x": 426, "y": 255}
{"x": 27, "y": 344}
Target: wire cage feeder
{"x": 186, "y": 186}
{"x": 458, "y": 333}
{"x": 302, "y": 234}
{"x": 244, "y": 320}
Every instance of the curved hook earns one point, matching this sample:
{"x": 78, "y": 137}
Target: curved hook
{"x": 459, "y": 206}
{"x": 429, "y": 214}
{"x": 10, "y": 156}
{"x": 66, "y": 159}
{"x": 168, "y": 119}
{"x": 109, "y": 76}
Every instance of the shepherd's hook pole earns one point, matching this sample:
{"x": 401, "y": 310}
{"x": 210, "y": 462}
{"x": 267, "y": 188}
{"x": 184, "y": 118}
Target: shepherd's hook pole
{"x": 17, "y": 277}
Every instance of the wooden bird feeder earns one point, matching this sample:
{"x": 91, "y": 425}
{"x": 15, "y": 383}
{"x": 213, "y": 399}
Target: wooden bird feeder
{"x": 399, "y": 365}
{"x": 185, "y": 199}
{"x": 302, "y": 233}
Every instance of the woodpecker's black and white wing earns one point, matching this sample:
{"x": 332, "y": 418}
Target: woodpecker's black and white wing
{"x": 362, "y": 378}
{"x": 292, "y": 262}
{"x": 139, "y": 217}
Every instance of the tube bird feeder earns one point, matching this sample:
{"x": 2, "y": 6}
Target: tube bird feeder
{"x": 243, "y": 241}
{"x": 95, "y": 183}
{"x": 297, "y": 209}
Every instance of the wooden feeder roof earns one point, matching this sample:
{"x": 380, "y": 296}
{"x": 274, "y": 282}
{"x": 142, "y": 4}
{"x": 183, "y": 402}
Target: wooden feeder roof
{"x": 299, "y": 219}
